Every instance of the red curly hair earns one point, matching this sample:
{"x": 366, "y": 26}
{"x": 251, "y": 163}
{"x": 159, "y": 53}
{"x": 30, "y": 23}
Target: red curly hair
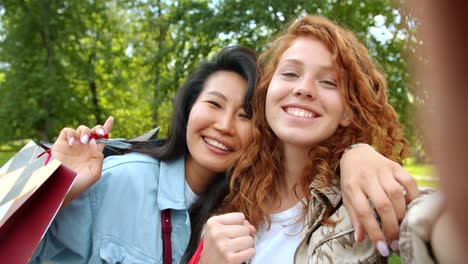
{"x": 254, "y": 186}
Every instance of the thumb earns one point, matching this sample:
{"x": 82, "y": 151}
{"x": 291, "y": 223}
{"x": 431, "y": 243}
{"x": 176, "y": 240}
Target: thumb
{"x": 108, "y": 124}
{"x": 97, "y": 157}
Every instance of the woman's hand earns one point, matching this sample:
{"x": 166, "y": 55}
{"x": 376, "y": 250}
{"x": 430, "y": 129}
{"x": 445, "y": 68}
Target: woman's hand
{"x": 76, "y": 151}
{"x": 368, "y": 178}
{"x": 228, "y": 239}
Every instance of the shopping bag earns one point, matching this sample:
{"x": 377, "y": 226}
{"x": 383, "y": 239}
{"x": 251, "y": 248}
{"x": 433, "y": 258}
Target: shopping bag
{"x": 32, "y": 189}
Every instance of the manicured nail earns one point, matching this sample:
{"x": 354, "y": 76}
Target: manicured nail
{"x": 84, "y": 139}
{"x": 395, "y": 245}
{"x": 71, "y": 141}
{"x": 382, "y": 248}
{"x": 355, "y": 236}
{"x": 100, "y": 131}
{"x": 93, "y": 142}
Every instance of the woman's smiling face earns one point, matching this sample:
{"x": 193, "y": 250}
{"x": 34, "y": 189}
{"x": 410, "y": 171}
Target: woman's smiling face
{"x": 304, "y": 105}
{"x": 218, "y": 127}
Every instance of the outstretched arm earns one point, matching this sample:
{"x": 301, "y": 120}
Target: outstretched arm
{"x": 369, "y": 179}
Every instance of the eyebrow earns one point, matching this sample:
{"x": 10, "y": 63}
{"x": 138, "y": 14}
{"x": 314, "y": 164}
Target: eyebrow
{"x": 299, "y": 62}
{"x": 217, "y": 94}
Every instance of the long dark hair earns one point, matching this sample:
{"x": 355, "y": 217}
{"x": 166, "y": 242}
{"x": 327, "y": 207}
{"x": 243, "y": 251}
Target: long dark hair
{"x": 240, "y": 60}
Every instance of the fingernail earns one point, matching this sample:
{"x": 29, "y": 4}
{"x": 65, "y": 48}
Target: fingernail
{"x": 84, "y": 139}
{"x": 100, "y": 131}
{"x": 382, "y": 248}
{"x": 93, "y": 142}
{"x": 355, "y": 233}
{"x": 395, "y": 245}
{"x": 71, "y": 141}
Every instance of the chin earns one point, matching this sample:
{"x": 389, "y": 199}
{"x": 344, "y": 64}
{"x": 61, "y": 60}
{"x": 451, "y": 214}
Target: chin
{"x": 217, "y": 166}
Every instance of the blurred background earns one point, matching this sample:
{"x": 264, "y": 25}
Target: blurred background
{"x": 70, "y": 62}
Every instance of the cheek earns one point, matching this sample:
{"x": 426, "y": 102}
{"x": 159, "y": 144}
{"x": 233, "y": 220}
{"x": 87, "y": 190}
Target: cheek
{"x": 269, "y": 104}
{"x": 196, "y": 119}
{"x": 335, "y": 103}
{"x": 245, "y": 135}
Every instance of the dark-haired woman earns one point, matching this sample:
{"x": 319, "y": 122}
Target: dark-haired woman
{"x": 118, "y": 218}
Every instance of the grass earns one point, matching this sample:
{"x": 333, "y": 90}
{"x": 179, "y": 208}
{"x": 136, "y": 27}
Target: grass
{"x": 5, "y": 156}
{"x": 7, "y": 151}
{"x": 425, "y": 174}
{"x": 394, "y": 259}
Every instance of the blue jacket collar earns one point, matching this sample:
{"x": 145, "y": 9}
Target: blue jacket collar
{"x": 171, "y": 187}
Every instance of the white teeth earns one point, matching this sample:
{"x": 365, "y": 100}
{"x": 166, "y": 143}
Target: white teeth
{"x": 216, "y": 143}
{"x": 299, "y": 112}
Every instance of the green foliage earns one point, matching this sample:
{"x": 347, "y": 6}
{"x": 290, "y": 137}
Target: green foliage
{"x": 71, "y": 62}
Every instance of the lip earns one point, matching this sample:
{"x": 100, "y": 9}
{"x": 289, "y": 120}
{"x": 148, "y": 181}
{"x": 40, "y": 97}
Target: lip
{"x": 215, "y": 149}
{"x": 304, "y": 107}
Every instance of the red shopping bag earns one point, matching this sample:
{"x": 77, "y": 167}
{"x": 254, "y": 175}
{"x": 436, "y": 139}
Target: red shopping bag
{"x": 31, "y": 193}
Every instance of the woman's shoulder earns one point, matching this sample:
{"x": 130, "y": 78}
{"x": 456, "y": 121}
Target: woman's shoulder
{"x": 138, "y": 167}
{"x": 336, "y": 242}
{"x": 129, "y": 159}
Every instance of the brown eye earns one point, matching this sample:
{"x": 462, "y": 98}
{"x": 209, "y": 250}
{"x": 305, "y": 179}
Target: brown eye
{"x": 244, "y": 115}
{"x": 290, "y": 75}
{"x": 329, "y": 83}
{"x": 214, "y": 103}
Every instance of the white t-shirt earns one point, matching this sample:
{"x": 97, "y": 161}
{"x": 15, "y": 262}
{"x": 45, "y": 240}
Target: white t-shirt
{"x": 190, "y": 196}
{"x": 278, "y": 244}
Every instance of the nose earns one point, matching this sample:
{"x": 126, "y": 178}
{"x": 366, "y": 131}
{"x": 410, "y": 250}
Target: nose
{"x": 307, "y": 90}
{"x": 225, "y": 123}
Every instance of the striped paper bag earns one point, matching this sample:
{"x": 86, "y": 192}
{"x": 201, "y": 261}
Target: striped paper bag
{"x": 32, "y": 189}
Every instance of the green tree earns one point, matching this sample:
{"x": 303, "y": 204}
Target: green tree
{"x": 71, "y": 62}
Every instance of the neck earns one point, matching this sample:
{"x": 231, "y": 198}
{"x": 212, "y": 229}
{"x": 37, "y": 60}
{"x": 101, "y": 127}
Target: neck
{"x": 294, "y": 162}
{"x": 197, "y": 177}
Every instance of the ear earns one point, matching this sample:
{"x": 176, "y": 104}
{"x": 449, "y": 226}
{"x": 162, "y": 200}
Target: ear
{"x": 347, "y": 117}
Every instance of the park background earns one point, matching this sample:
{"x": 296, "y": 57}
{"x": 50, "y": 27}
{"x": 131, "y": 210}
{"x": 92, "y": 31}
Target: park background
{"x": 71, "y": 62}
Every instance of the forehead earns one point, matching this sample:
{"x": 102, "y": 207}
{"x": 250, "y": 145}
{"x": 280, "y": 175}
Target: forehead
{"x": 228, "y": 85}
{"x": 308, "y": 50}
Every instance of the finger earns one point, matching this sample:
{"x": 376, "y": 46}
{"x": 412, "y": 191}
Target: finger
{"x": 251, "y": 227}
{"x": 386, "y": 211}
{"x": 230, "y": 231}
{"x": 98, "y": 130}
{"x": 228, "y": 219}
{"x": 246, "y": 255}
{"x": 95, "y": 166}
{"x": 359, "y": 234}
{"x": 108, "y": 125}
{"x": 394, "y": 191}
{"x": 84, "y": 133}
{"x": 242, "y": 256}
{"x": 241, "y": 243}
{"x": 68, "y": 135}
{"x": 102, "y": 130}
{"x": 408, "y": 182}
{"x": 368, "y": 220}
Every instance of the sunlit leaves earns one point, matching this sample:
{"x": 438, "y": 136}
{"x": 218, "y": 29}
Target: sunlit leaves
{"x": 74, "y": 62}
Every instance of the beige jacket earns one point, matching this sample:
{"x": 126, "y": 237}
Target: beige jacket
{"x": 428, "y": 233}
{"x": 335, "y": 243}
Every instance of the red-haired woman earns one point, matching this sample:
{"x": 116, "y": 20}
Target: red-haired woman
{"x": 318, "y": 92}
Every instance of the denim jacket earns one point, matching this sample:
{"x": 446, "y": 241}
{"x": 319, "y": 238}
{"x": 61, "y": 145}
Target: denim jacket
{"x": 118, "y": 220}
